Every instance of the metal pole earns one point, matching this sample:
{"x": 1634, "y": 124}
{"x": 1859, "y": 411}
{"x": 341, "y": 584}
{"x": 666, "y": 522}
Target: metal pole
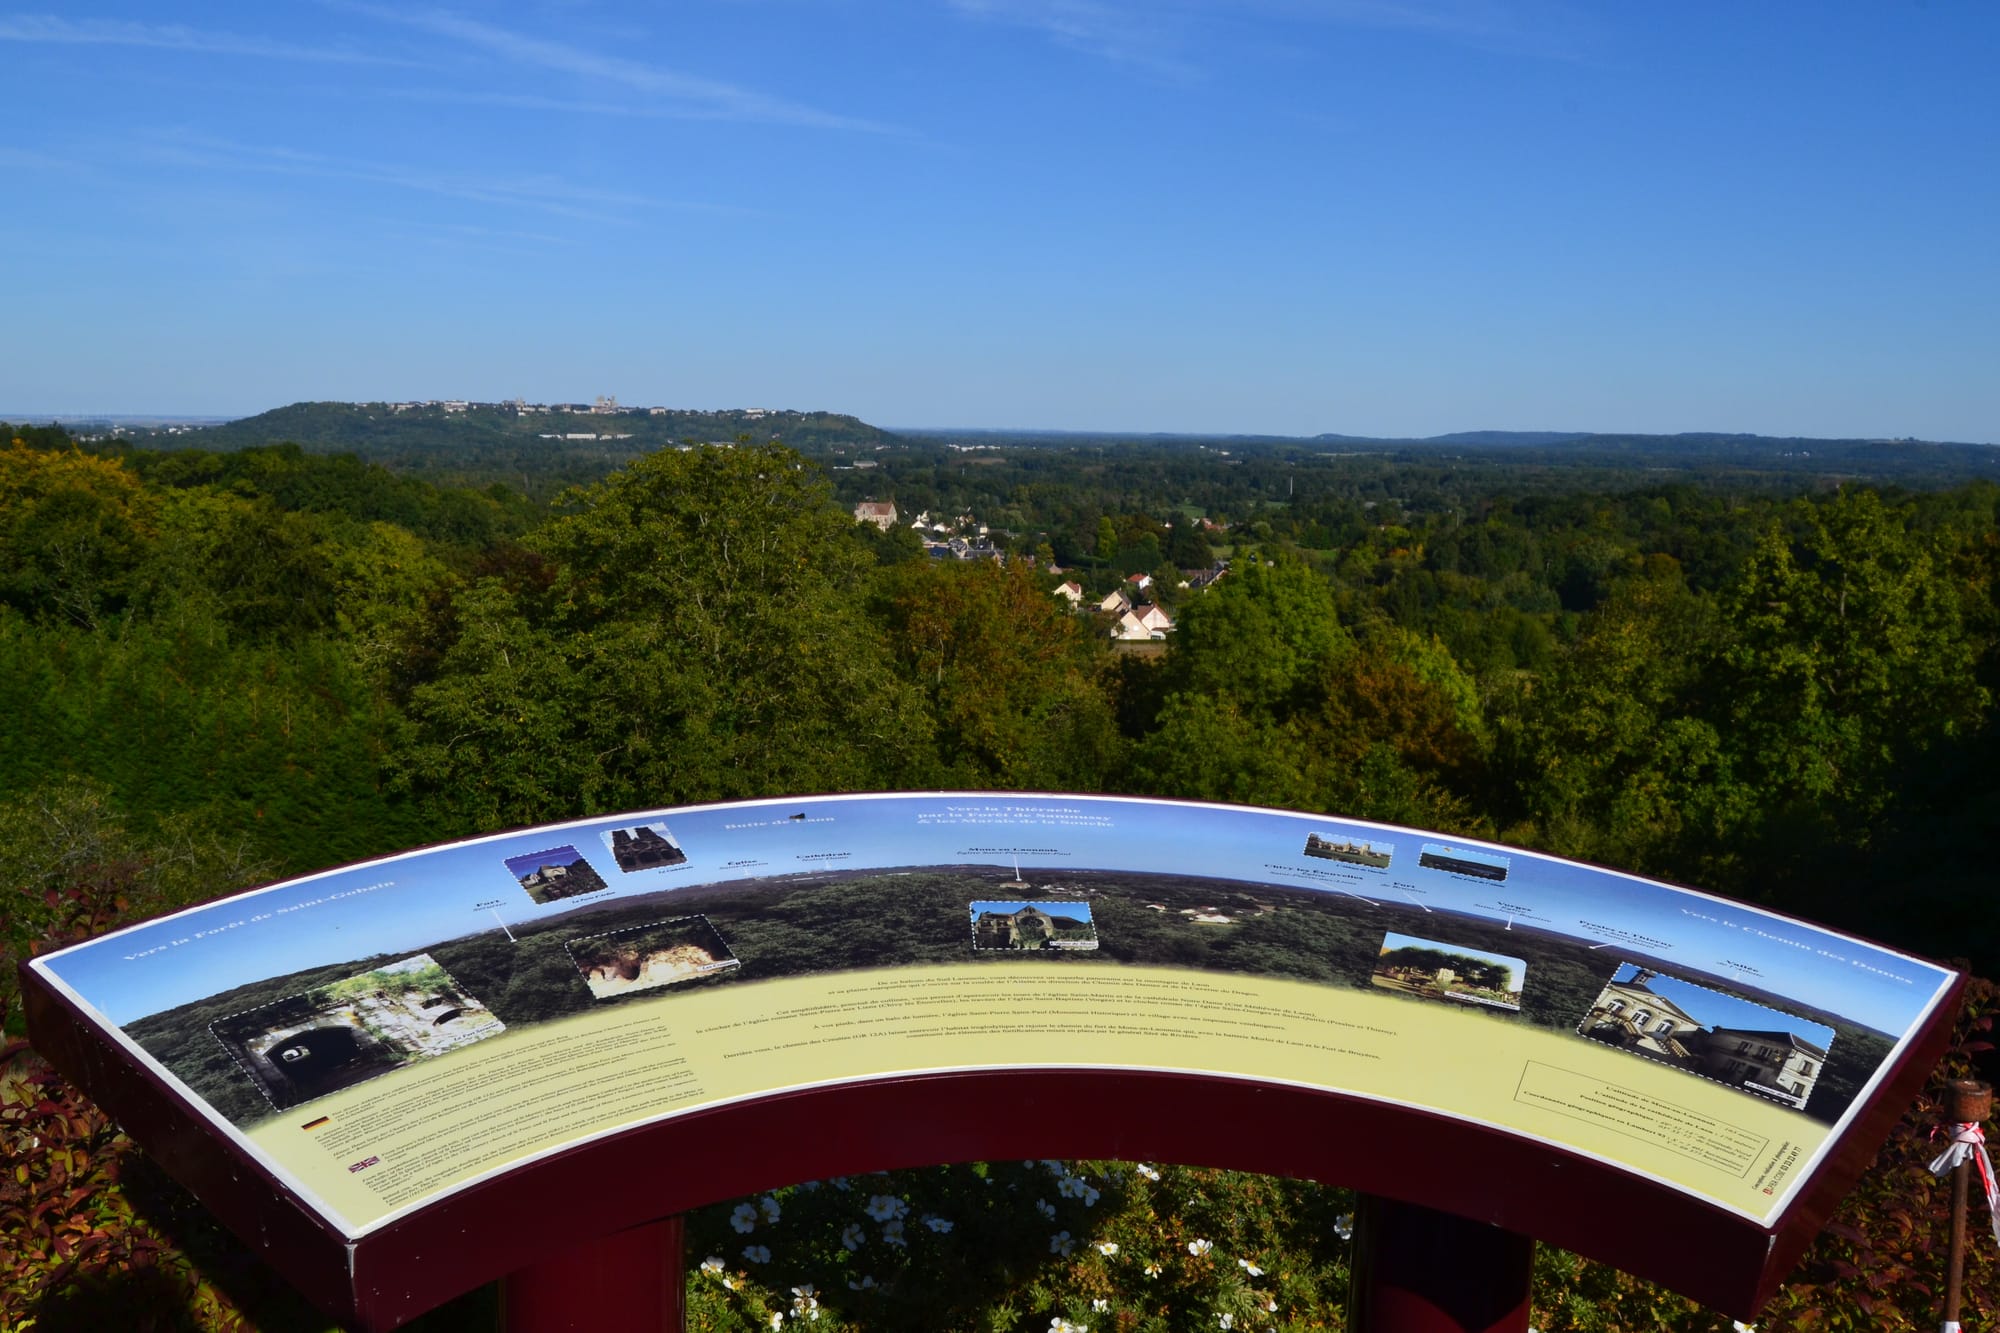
{"x": 1967, "y": 1101}
{"x": 632, "y": 1281}
{"x": 1418, "y": 1270}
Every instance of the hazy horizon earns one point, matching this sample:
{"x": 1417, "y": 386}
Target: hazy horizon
{"x": 217, "y": 418}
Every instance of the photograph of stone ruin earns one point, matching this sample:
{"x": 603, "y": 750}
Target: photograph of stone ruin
{"x": 559, "y": 872}
{"x": 352, "y": 1030}
{"x": 645, "y": 957}
{"x": 644, "y": 847}
{"x": 1017, "y": 925}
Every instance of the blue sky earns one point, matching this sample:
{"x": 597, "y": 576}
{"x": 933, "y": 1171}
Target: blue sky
{"x": 1294, "y": 216}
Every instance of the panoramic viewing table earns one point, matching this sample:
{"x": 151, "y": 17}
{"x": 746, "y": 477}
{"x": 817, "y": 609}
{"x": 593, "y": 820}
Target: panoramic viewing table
{"x": 402, "y": 1079}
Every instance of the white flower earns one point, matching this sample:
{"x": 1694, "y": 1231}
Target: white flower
{"x": 1226, "y": 1320}
{"x": 1107, "y": 1247}
{"x": 806, "y": 1301}
{"x": 867, "y": 1281}
{"x": 777, "y": 1318}
{"x": 1046, "y": 1209}
{"x": 770, "y": 1207}
{"x": 712, "y": 1264}
{"x": 840, "y": 1183}
{"x": 1152, "y": 1270}
{"x": 882, "y": 1207}
{"x": 744, "y": 1219}
{"x": 1060, "y": 1243}
{"x": 1742, "y": 1327}
{"x": 1270, "y": 1305}
{"x": 852, "y": 1236}
{"x": 1343, "y": 1226}
{"x": 1249, "y": 1268}
{"x": 729, "y": 1282}
{"x": 892, "y": 1232}
{"x": 1062, "y": 1325}
{"x": 1070, "y": 1187}
{"x": 1197, "y": 1248}
{"x": 757, "y": 1254}
{"x": 1146, "y": 1171}
{"x": 1090, "y": 1197}
{"x": 1100, "y": 1306}
{"x": 941, "y": 1225}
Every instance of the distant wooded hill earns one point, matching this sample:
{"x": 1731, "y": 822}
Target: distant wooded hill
{"x": 489, "y": 442}
{"x": 1714, "y": 454}
{"x": 537, "y": 451}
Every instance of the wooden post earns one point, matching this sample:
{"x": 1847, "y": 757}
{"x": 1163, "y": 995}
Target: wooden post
{"x": 1967, "y": 1101}
{"x": 632, "y": 1281}
{"x": 1418, "y": 1270}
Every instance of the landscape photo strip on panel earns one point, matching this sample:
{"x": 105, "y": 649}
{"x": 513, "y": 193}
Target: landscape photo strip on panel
{"x": 381, "y": 1035}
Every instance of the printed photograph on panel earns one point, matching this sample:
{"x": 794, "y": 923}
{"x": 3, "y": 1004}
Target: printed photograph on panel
{"x": 1355, "y": 852}
{"x": 1434, "y": 970}
{"x": 645, "y": 957}
{"x": 1752, "y": 1047}
{"x": 1472, "y": 862}
{"x": 558, "y": 872}
{"x": 644, "y": 847}
{"x": 354, "y": 1029}
{"x": 1019, "y": 926}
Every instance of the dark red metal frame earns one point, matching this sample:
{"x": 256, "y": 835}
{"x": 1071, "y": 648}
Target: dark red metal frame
{"x": 531, "y": 1213}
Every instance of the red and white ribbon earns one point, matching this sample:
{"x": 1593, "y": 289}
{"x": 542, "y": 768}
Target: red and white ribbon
{"x": 1968, "y": 1144}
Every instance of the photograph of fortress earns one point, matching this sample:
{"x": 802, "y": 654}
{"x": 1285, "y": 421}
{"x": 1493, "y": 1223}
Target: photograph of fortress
{"x": 1347, "y": 849}
{"x": 643, "y": 957}
{"x": 1748, "y": 1046}
{"x": 354, "y": 1029}
{"x": 1017, "y": 925}
{"x": 644, "y": 847}
{"x": 559, "y": 872}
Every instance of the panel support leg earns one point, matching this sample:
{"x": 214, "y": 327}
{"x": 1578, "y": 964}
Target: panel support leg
{"x": 632, "y": 1281}
{"x": 1417, "y": 1270}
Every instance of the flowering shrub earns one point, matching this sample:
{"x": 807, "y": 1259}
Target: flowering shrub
{"x": 1045, "y": 1245}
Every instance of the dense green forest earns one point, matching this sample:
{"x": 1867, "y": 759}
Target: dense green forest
{"x": 1773, "y": 681}
{"x": 1780, "y": 693}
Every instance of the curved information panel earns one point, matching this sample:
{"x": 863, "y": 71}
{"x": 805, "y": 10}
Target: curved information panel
{"x": 381, "y": 1037}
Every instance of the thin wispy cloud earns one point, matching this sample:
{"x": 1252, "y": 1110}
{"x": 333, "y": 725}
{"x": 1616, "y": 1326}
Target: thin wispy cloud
{"x": 687, "y": 94}
{"x": 26, "y": 159}
{"x": 1160, "y": 34}
{"x": 46, "y": 29}
{"x": 1146, "y": 36}
{"x": 538, "y": 102}
{"x": 552, "y": 195}
{"x": 1531, "y": 27}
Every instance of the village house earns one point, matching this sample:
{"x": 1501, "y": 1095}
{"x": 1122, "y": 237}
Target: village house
{"x": 882, "y": 513}
{"x": 1140, "y": 623}
{"x": 1071, "y": 592}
